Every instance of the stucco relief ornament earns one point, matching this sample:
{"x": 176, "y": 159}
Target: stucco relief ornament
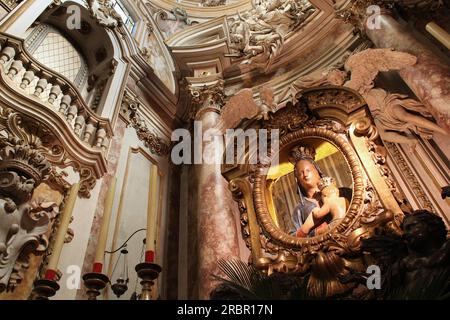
{"x": 213, "y": 3}
{"x": 23, "y": 223}
{"x": 258, "y": 34}
{"x": 104, "y": 13}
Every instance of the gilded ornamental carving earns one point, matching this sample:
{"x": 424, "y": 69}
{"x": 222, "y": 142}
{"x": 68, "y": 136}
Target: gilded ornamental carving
{"x": 328, "y": 252}
{"x": 31, "y": 192}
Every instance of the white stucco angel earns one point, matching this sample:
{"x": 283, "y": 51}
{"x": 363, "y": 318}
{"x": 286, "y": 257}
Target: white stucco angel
{"x": 394, "y": 114}
{"x": 259, "y": 33}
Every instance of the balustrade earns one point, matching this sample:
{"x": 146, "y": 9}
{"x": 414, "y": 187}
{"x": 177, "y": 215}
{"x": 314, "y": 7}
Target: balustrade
{"x": 54, "y": 91}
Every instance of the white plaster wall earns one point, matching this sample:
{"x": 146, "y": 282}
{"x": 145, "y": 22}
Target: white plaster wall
{"x": 73, "y": 253}
{"x": 134, "y": 210}
{"x": 20, "y": 25}
{"x": 3, "y": 13}
{"x": 134, "y": 217}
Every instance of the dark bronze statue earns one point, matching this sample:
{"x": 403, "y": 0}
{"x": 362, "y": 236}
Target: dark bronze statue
{"x": 415, "y": 265}
{"x": 445, "y": 193}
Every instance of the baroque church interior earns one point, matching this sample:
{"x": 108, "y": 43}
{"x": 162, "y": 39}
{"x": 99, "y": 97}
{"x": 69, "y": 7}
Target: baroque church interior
{"x": 210, "y": 149}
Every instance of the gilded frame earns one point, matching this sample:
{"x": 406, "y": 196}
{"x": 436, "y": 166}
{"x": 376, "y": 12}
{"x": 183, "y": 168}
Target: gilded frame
{"x": 340, "y": 116}
{"x": 259, "y": 188}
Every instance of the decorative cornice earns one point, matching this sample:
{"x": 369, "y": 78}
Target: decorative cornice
{"x": 10, "y": 4}
{"x": 194, "y": 10}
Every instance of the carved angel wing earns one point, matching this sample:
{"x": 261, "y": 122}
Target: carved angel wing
{"x": 321, "y": 77}
{"x": 267, "y": 97}
{"x": 386, "y": 249}
{"x": 268, "y": 104}
{"x": 366, "y": 65}
{"x": 241, "y": 106}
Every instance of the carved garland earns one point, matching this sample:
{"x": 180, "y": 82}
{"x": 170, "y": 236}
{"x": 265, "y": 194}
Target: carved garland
{"x": 157, "y": 145}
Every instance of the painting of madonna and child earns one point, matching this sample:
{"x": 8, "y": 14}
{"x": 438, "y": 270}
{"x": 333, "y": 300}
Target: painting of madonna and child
{"x": 311, "y": 188}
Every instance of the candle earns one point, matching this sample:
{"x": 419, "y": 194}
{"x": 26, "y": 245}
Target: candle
{"x": 61, "y": 232}
{"x": 103, "y": 236}
{"x": 440, "y": 34}
{"x": 151, "y": 215}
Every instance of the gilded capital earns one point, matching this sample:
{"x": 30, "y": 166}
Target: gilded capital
{"x": 206, "y": 96}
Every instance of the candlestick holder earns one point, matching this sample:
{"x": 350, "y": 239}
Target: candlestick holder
{"x": 95, "y": 282}
{"x": 44, "y": 289}
{"x": 147, "y": 272}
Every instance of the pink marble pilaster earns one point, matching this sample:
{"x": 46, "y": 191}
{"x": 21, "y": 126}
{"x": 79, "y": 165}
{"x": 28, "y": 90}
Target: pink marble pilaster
{"x": 217, "y": 234}
{"x": 429, "y": 78}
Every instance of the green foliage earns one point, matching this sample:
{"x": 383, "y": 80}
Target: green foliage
{"x": 248, "y": 283}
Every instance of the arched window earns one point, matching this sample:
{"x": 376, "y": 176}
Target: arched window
{"x": 51, "y": 48}
{"x": 124, "y": 14}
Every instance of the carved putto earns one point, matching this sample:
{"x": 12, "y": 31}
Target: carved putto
{"x": 258, "y": 34}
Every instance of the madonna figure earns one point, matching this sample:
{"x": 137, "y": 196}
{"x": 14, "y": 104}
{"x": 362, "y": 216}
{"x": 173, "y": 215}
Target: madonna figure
{"x": 308, "y": 176}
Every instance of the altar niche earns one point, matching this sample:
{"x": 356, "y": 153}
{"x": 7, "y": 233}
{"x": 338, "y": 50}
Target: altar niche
{"x": 309, "y": 212}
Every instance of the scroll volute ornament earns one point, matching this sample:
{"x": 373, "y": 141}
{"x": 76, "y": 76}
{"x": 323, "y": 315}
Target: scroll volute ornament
{"x": 22, "y": 224}
{"x": 30, "y": 195}
{"x": 329, "y": 255}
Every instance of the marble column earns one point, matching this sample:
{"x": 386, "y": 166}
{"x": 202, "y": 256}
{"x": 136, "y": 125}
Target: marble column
{"x": 217, "y": 234}
{"x": 429, "y": 78}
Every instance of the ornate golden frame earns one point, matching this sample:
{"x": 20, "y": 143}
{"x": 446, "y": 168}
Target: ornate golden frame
{"x": 339, "y": 116}
{"x": 259, "y": 188}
